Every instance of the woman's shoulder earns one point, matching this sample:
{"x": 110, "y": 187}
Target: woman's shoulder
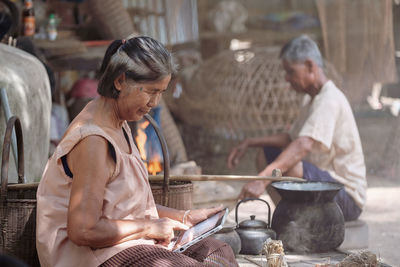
{"x": 77, "y": 131}
{"x": 85, "y": 123}
{"x": 81, "y": 129}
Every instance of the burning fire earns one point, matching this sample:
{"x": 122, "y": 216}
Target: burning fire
{"x": 154, "y": 165}
{"x": 152, "y": 162}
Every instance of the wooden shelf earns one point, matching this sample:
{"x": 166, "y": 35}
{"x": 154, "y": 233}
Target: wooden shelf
{"x": 215, "y": 42}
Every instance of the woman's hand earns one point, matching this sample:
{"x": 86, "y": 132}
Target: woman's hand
{"x": 236, "y": 154}
{"x": 196, "y": 216}
{"x": 162, "y": 230}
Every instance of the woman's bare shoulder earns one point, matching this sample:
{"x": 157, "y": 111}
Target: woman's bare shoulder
{"x": 91, "y": 155}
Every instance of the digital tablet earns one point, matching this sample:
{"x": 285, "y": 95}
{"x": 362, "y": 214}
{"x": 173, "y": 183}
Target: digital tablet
{"x": 198, "y": 232}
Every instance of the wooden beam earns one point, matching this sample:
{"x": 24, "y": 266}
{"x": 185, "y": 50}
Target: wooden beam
{"x": 223, "y": 178}
{"x": 203, "y": 177}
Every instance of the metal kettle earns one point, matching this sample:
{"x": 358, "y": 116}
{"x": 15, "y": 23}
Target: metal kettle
{"x": 253, "y": 233}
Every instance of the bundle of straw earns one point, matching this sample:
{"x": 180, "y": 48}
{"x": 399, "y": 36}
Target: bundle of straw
{"x": 273, "y": 249}
{"x": 363, "y": 258}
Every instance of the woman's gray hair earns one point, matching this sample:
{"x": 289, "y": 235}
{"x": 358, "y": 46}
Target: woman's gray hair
{"x": 300, "y": 49}
{"x": 142, "y": 59}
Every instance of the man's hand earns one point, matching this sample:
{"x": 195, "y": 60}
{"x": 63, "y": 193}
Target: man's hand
{"x": 196, "y": 216}
{"x": 236, "y": 154}
{"x": 253, "y": 189}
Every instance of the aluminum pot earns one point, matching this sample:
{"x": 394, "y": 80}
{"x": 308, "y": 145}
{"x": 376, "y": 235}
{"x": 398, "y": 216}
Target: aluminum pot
{"x": 253, "y": 233}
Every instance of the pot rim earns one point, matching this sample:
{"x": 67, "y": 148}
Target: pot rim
{"x": 307, "y": 186}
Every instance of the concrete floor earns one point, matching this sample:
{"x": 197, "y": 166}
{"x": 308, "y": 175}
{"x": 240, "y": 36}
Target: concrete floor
{"x": 382, "y": 212}
{"x": 382, "y": 215}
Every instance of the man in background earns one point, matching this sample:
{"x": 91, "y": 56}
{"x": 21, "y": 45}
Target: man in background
{"x": 323, "y": 143}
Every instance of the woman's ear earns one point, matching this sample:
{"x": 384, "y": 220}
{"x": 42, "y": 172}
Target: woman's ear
{"x": 120, "y": 82}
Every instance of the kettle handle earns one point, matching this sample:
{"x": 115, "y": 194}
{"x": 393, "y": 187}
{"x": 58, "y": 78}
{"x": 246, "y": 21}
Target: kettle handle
{"x": 252, "y": 198}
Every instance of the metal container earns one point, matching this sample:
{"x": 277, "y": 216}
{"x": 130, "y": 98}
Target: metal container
{"x": 307, "y": 219}
{"x": 253, "y": 233}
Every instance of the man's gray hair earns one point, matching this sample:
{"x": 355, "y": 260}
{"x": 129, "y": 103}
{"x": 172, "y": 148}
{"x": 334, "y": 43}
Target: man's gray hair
{"x": 300, "y": 49}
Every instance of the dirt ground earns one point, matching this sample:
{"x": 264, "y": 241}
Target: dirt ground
{"x": 382, "y": 212}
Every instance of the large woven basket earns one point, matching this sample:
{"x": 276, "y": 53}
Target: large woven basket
{"x": 17, "y": 207}
{"x": 177, "y": 195}
{"x": 237, "y": 94}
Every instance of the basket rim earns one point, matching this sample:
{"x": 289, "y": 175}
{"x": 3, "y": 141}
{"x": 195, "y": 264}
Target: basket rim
{"x": 15, "y": 200}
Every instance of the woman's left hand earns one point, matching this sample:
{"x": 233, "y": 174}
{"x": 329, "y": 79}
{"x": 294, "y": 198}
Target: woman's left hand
{"x": 196, "y": 216}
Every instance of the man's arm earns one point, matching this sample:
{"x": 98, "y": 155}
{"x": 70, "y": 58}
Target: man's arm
{"x": 289, "y": 158}
{"x": 278, "y": 140}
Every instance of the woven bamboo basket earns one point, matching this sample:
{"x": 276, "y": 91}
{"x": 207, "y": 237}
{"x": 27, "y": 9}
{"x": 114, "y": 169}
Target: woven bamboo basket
{"x": 236, "y": 94}
{"x": 111, "y": 18}
{"x": 17, "y": 207}
{"x": 177, "y": 195}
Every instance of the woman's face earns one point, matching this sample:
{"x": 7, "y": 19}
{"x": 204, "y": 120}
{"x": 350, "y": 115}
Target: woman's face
{"x": 137, "y": 99}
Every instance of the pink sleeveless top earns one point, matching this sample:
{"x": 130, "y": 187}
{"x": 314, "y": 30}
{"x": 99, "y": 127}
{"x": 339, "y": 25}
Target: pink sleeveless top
{"x": 127, "y": 196}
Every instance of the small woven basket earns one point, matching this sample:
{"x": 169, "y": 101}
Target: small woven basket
{"x": 177, "y": 195}
{"x": 17, "y": 207}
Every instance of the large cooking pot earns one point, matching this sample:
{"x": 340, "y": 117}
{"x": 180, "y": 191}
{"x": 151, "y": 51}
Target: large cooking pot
{"x": 253, "y": 233}
{"x": 307, "y": 219}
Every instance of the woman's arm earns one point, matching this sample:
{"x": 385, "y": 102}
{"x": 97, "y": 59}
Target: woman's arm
{"x": 192, "y": 217}
{"x": 92, "y": 166}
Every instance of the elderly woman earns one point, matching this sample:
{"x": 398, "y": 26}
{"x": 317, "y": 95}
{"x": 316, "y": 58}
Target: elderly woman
{"x": 95, "y": 205}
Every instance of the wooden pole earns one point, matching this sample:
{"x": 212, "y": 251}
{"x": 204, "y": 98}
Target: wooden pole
{"x": 205, "y": 177}
{"x": 187, "y": 178}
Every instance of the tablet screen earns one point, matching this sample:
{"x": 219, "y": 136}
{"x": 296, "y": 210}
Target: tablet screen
{"x": 201, "y": 230}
